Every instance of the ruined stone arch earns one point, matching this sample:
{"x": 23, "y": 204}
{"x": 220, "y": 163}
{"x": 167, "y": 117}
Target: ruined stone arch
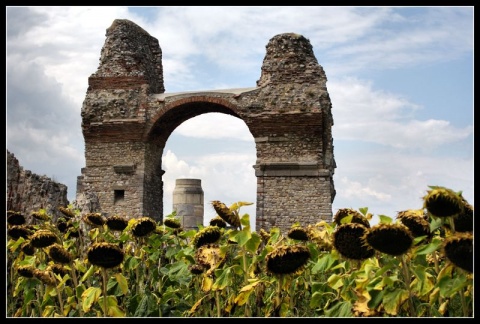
{"x": 127, "y": 118}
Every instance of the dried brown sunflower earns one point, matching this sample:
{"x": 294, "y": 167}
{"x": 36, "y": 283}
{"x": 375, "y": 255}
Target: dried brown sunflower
{"x": 26, "y": 271}
{"x": 463, "y": 222}
{"x": 218, "y": 221}
{"x": 143, "y": 226}
{"x": 45, "y": 276}
{"x": 206, "y": 235}
{"x": 196, "y": 269}
{"x": 348, "y": 240}
{"x": 393, "y": 239}
{"x": 264, "y": 235}
{"x": 27, "y": 248}
{"x": 41, "y": 215}
{"x": 116, "y": 223}
{"x": 62, "y": 225}
{"x": 105, "y": 255}
{"x": 17, "y": 231}
{"x": 172, "y": 222}
{"x": 415, "y": 220}
{"x": 443, "y": 202}
{"x": 287, "y": 259}
{"x": 58, "y": 269}
{"x": 15, "y": 218}
{"x": 357, "y": 217}
{"x": 226, "y": 214}
{"x": 298, "y": 233}
{"x": 59, "y": 254}
{"x": 94, "y": 219}
{"x": 458, "y": 249}
{"x": 73, "y": 232}
{"x": 43, "y": 238}
{"x": 67, "y": 212}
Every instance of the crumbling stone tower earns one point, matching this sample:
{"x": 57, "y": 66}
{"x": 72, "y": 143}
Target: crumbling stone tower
{"x": 127, "y": 118}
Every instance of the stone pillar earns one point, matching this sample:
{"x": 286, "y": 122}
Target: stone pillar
{"x": 188, "y": 202}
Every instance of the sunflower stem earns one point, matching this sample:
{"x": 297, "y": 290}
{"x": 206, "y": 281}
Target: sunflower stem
{"x": 104, "y": 277}
{"x": 245, "y": 278}
{"x": 461, "y": 293}
{"x": 278, "y": 298}
{"x": 217, "y": 301}
{"x": 60, "y": 300}
{"x": 407, "y": 283}
{"x": 292, "y": 293}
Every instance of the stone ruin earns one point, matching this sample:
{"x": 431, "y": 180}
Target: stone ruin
{"x": 28, "y": 192}
{"x": 127, "y": 118}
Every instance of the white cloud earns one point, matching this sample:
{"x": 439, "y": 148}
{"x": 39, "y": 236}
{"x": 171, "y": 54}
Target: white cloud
{"x": 216, "y": 126}
{"x": 367, "y": 114}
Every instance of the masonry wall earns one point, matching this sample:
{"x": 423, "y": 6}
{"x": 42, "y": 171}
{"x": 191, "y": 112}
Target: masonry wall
{"x": 28, "y": 192}
{"x": 114, "y": 168}
{"x": 285, "y": 201}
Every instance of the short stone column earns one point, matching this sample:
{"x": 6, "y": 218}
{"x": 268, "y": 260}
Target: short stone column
{"x": 188, "y": 202}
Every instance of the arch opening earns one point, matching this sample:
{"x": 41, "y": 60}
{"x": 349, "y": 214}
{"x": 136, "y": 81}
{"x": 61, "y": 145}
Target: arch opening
{"x": 206, "y": 141}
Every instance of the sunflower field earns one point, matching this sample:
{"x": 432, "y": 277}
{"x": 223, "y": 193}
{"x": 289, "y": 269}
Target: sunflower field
{"x": 416, "y": 264}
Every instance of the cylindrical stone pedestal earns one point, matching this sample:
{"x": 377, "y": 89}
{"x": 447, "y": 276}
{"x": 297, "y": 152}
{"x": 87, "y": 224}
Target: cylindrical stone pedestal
{"x": 188, "y": 202}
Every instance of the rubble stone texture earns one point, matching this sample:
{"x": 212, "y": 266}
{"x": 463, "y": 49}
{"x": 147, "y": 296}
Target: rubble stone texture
{"x": 28, "y": 192}
{"x": 127, "y": 118}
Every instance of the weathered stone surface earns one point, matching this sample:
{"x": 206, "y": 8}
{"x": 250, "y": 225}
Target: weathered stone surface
{"x": 127, "y": 118}
{"x": 28, "y": 192}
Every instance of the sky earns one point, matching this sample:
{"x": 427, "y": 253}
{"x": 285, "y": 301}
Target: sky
{"x": 400, "y": 81}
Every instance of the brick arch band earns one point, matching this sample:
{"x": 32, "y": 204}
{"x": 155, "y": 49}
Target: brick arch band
{"x": 127, "y": 118}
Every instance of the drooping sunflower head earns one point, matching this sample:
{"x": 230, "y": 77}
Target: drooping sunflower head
{"x": 226, "y": 214}
{"x": 40, "y": 215}
{"x": 15, "y": 218}
{"x": 26, "y": 271}
{"x": 218, "y": 221}
{"x": 463, "y": 222}
{"x": 207, "y": 235}
{"x": 458, "y": 249}
{"x": 393, "y": 239}
{"x": 45, "y": 276}
{"x": 59, "y": 254}
{"x": 298, "y": 233}
{"x": 27, "y": 248}
{"x": 264, "y": 235}
{"x": 415, "y": 220}
{"x": 43, "y": 238}
{"x": 357, "y": 217}
{"x": 94, "y": 219}
{"x": 17, "y": 231}
{"x": 72, "y": 231}
{"x": 348, "y": 239}
{"x": 287, "y": 259}
{"x": 67, "y": 212}
{"x": 143, "y": 226}
{"x": 443, "y": 202}
{"x": 196, "y": 269}
{"x": 62, "y": 225}
{"x": 172, "y": 222}
{"x": 58, "y": 269}
{"x": 105, "y": 255}
{"x": 116, "y": 223}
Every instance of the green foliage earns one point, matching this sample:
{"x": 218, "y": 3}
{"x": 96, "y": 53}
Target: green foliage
{"x": 157, "y": 279}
